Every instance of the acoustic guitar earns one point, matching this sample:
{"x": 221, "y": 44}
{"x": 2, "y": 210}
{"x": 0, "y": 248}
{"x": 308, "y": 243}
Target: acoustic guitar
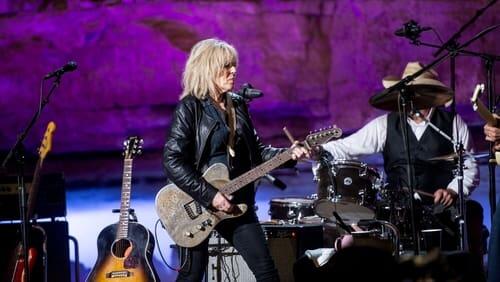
{"x": 125, "y": 249}
{"x": 189, "y": 224}
{"x": 36, "y": 234}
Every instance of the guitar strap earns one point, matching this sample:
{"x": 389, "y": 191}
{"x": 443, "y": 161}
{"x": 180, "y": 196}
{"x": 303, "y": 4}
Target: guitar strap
{"x": 231, "y": 115}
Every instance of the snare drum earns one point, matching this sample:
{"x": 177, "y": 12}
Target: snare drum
{"x": 290, "y": 210}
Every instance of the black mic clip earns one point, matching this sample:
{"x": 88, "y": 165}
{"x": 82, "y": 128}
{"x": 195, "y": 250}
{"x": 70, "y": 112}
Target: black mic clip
{"x": 70, "y": 66}
{"x": 411, "y": 30}
{"x": 249, "y": 93}
{"x": 275, "y": 181}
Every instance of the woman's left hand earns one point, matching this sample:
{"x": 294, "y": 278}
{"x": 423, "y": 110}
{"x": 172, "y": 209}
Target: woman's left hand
{"x": 299, "y": 152}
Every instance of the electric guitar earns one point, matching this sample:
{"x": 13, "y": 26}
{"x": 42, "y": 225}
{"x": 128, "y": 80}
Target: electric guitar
{"x": 189, "y": 224}
{"x": 484, "y": 113}
{"x": 36, "y": 234}
{"x": 125, "y": 249}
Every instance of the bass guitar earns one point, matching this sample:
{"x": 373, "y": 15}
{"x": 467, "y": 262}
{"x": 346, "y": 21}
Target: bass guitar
{"x": 36, "y": 234}
{"x": 189, "y": 224}
{"x": 125, "y": 249}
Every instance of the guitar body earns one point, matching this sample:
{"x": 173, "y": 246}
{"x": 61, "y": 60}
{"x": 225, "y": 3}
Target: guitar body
{"x": 17, "y": 270}
{"x": 132, "y": 263}
{"x": 185, "y": 220}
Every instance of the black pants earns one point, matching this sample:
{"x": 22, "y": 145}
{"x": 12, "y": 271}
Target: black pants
{"x": 247, "y": 236}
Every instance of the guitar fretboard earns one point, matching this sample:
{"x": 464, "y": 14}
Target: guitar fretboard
{"x": 254, "y": 174}
{"x": 125, "y": 200}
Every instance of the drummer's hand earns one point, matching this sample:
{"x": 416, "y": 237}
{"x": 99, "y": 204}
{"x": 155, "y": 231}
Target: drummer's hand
{"x": 445, "y": 196}
{"x": 299, "y": 152}
{"x": 221, "y": 202}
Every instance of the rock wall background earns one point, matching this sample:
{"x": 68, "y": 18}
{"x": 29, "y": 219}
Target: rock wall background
{"x": 317, "y": 62}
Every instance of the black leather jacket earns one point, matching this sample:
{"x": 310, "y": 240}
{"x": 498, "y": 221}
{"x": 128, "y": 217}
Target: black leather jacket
{"x": 184, "y": 155}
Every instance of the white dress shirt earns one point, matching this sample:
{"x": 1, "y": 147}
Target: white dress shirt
{"x": 372, "y": 137}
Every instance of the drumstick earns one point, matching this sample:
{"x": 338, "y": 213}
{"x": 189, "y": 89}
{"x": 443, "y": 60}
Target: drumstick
{"x": 424, "y": 193}
{"x": 289, "y": 135}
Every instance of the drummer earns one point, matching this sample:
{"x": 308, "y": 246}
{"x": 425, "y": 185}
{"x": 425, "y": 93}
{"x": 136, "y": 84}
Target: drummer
{"x": 384, "y": 135}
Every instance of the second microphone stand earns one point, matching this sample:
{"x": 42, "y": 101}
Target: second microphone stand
{"x": 459, "y": 175}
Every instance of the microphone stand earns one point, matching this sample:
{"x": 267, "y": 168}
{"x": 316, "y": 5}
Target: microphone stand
{"x": 459, "y": 175}
{"x": 18, "y": 151}
{"x": 489, "y": 62}
{"x": 489, "y": 59}
{"x": 404, "y": 99}
{"x": 453, "y": 39}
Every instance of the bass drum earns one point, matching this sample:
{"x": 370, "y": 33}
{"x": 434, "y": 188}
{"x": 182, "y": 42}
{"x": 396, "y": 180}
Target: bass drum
{"x": 290, "y": 210}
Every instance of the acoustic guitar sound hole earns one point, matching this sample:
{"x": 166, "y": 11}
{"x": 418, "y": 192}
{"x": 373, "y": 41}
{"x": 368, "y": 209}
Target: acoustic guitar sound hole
{"x": 121, "y": 248}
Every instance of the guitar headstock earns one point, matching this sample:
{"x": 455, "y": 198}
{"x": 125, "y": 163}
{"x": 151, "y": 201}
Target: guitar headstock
{"x": 475, "y": 96}
{"x": 46, "y": 145}
{"x": 132, "y": 147}
{"x": 321, "y": 136}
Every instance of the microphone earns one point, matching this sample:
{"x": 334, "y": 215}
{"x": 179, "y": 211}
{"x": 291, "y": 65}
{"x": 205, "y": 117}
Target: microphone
{"x": 275, "y": 181}
{"x": 411, "y": 30}
{"x": 69, "y": 66}
{"x": 248, "y": 92}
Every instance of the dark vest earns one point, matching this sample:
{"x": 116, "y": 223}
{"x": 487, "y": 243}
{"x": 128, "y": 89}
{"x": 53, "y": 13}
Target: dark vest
{"x": 429, "y": 176}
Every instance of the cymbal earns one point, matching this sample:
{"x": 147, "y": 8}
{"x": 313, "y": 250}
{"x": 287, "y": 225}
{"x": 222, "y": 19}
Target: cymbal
{"x": 348, "y": 211}
{"x": 453, "y": 157}
{"x": 426, "y": 96}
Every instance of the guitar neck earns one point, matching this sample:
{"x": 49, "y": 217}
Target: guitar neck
{"x": 484, "y": 113}
{"x": 33, "y": 192}
{"x": 125, "y": 200}
{"x": 256, "y": 173}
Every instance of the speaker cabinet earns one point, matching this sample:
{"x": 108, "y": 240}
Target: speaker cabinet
{"x": 50, "y": 202}
{"x": 288, "y": 242}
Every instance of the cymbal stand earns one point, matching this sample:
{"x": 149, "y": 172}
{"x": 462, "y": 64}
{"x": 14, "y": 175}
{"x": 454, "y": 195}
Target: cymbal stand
{"x": 459, "y": 175}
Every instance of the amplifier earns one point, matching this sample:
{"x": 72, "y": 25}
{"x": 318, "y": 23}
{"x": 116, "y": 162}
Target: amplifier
{"x": 51, "y": 200}
{"x": 286, "y": 242}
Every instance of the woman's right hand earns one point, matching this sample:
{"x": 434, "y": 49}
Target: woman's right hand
{"x": 221, "y": 202}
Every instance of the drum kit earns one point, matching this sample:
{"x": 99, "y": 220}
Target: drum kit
{"x": 349, "y": 194}
{"x": 353, "y": 196}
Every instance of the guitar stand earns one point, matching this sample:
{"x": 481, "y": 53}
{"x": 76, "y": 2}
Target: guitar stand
{"x": 131, "y": 212}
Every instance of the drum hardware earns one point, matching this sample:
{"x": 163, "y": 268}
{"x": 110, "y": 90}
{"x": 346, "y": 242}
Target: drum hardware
{"x": 385, "y": 231}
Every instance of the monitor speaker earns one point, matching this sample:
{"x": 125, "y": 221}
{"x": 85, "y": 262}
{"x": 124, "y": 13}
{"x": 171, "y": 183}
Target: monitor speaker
{"x": 288, "y": 242}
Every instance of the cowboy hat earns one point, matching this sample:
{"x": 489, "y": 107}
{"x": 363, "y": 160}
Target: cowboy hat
{"x": 428, "y": 78}
{"x": 427, "y": 90}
